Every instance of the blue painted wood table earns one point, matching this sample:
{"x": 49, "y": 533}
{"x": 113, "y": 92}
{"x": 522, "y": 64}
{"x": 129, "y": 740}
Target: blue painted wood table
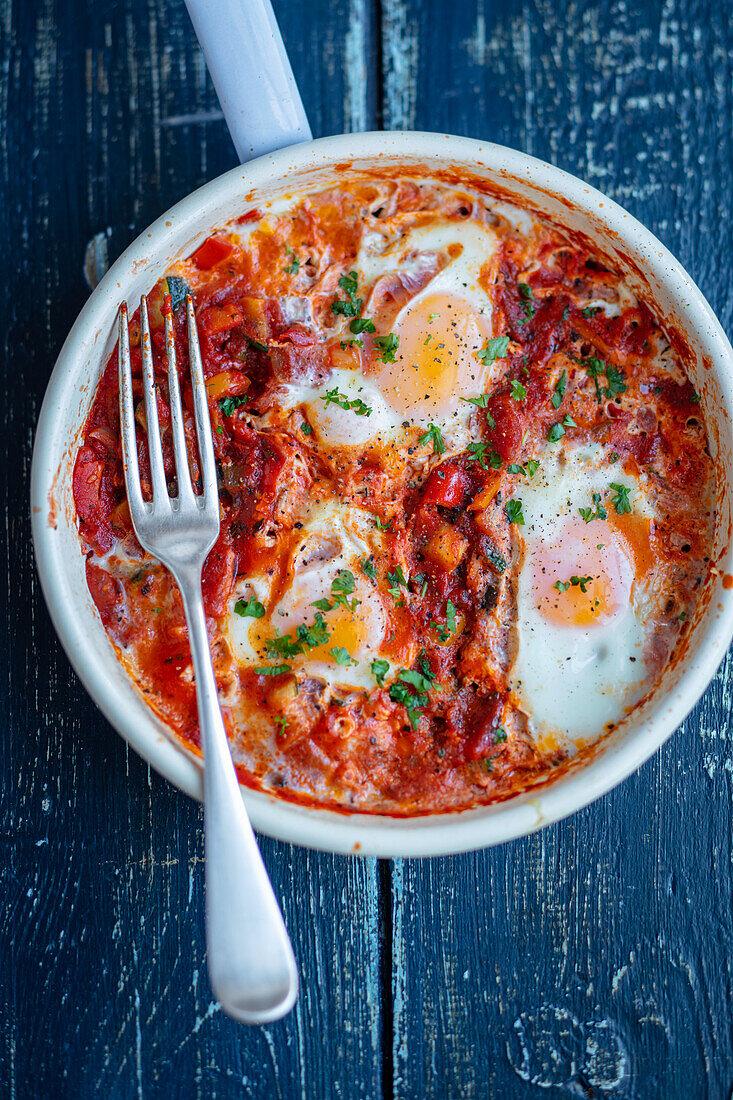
{"x": 592, "y": 959}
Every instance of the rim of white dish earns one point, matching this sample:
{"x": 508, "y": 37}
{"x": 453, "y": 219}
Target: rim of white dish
{"x": 330, "y": 830}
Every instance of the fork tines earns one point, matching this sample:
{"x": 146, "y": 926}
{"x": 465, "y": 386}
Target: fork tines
{"x": 186, "y": 499}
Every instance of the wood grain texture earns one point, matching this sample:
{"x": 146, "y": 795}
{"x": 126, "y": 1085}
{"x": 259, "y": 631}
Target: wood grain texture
{"x": 107, "y": 116}
{"x": 592, "y": 959}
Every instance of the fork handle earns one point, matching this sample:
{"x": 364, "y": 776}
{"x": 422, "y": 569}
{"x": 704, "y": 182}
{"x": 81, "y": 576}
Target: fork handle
{"x": 251, "y": 963}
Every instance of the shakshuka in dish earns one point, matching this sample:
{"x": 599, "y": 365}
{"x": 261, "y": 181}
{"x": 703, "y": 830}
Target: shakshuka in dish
{"x": 466, "y": 498}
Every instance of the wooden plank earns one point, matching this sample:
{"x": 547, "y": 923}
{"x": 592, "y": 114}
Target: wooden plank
{"x": 591, "y": 959}
{"x": 106, "y": 118}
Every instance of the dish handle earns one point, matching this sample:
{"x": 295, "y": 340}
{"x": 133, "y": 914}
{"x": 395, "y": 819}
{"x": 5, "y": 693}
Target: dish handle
{"x": 251, "y": 72}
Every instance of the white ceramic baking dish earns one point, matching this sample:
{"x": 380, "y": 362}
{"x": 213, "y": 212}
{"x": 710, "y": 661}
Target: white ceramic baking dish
{"x": 653, "y": 273}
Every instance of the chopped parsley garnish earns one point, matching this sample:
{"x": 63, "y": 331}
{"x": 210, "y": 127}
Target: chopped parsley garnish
{"x": 284, "y": 646}
{"x": 310, "y": 636}
{"x": 361, "y": 324}
{"x": 590, "y": 311}
{"x": 513, "y": 509}
{"x": 396, "y": 578}
{"x": 351, "y": 305}
{"x": 341, "y": 587}
{"x": 229, "y": 404}
{"x": 533, "y": 466}
{"x": 450, "y": 616}
{"x": 599, "y": 512}
{"x": 496, "y": 348}
{"x": 695, "y": 398}
{"x": 526, "y": 300}
{"x": 368, "y": 568}
{"x": 294, "y": 266}
{"x": 443, "y": 634}
{"x": 411, "y": 689}
{"x": 388, "y": 346}
{"x": 575, "y": 582}
{"x": 421, "y": 580}
{"x": 342, "y": 656}
{"x": 382, "y": 526}
{"x": 557, "y": 431}
{"x": 282, "y": 723}
{"x": 518, "y": 391}
{"x": 432, "y": 435}
{"x": 478, "y": 454}
{"x": 219, "y": 430}
{"x": 251, "y": 609}
{"x": 380, "y": 669}
{"x": 306, "y": 429}
{"x": 616, "y": 384}
{"x": 499, "y": 735}
{"x": 482, "y": 403}
{"x": 315, "y": 635}
{"x": 559, "y": 390}
{"x": 323, "y": 604}
{"x": 272, "y": 670}
{"x": 621, "y": 501}
{"x": 357, "y": 406}
{"x": 614, "y": 378}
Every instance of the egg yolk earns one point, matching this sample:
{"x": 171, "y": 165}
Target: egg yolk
{"x": 436, "y": 360}
{"x": 584, "y": 578}
{"x": 353, "y": 631}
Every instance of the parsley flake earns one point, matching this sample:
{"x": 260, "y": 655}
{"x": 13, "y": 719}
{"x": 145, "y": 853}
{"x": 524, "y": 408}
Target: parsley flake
{"x": 477, "y": 453}
{"x": 514, "y": 514}
{"x": 229, "y": 404}
{"x": 388, "y": 346}
{"x": 526, "y": 300}
{"x": 368, "y": 568}
{"x": 559, "y": 392}
{"x": 557, "y": 431}
{"x": 351, "y": 305}
{"x": 432, "y": 435}
{"x": 342, "y": 656}
{"x": 518, "y": 391}
{"x": 249, "y": 609}
{"x": 380, "y": 669}
{"x": 357, "y": 406}
{"x": 590, "y": 514}
{"x": 621, "y": 501}
{"x": 341, "y": 587}
{"x": 496, "y": 348}
{"x": 361, "y": 324}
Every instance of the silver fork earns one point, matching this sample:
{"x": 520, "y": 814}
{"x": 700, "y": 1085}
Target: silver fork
{"x": 251, "y": 964}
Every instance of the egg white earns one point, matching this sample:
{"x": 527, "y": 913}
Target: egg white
{"x": 574, "y": 681}
{"x": 334, "y": 537}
